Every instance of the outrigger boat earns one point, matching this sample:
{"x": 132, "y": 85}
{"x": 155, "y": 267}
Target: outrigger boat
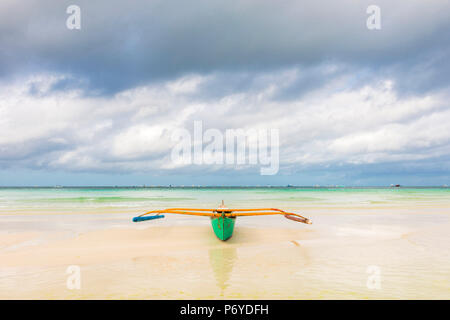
{"x": 222, "y": 218}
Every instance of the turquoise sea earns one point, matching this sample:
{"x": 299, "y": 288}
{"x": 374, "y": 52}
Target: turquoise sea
{"x": 126, "y": 199}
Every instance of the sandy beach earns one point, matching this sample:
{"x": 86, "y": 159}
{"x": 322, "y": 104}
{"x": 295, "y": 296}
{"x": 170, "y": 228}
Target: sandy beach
{"x": 405, "y": 248}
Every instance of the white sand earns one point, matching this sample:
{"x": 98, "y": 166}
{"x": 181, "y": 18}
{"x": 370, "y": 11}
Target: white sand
{"x": 328, "y": 259}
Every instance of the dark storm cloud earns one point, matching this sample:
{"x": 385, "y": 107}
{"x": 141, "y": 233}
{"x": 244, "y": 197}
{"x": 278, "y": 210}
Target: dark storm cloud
{"x": 123, "y": 44}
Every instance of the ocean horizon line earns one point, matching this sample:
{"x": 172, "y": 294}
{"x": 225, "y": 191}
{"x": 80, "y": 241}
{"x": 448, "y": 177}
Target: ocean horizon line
{"x": 221, "y": 187}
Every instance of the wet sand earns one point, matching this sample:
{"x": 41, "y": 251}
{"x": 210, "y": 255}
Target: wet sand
{"x": 177, "y": 259}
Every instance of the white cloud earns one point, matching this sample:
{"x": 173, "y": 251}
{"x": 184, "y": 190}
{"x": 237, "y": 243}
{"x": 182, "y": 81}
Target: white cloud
{"x": 131, "y": 131}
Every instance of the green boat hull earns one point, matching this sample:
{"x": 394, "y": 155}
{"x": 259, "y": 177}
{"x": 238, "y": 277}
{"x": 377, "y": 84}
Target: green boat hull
{"x": 223, "y": 227}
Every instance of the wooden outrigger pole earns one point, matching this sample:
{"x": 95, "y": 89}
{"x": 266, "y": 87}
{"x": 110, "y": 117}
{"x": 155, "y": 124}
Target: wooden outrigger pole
{"x": 222, "y": 218}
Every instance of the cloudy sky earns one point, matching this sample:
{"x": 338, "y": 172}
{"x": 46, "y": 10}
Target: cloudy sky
{"x": 98, "y": 105}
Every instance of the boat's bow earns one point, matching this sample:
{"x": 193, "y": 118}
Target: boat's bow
{"x": 223, "y": 226}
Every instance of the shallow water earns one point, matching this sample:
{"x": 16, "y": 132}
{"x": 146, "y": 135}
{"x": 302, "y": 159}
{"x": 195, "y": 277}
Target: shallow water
{"x": 127, "y": 199}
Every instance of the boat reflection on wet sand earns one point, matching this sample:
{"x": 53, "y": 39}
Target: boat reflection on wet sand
{"x": 222, "y": 260}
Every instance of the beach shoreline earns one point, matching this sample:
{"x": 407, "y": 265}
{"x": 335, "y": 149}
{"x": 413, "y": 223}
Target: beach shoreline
{"x": 399, "y": 237}
{"x": 189, "y": 262}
